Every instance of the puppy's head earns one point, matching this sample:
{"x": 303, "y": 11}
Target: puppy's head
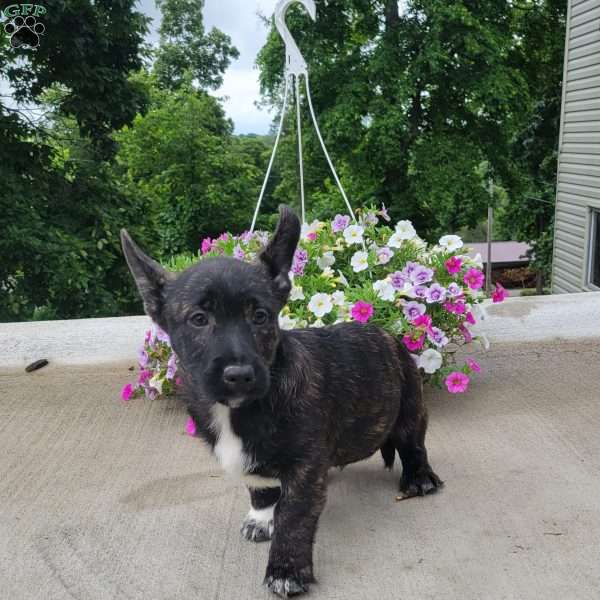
{"x": 222, "y": 314}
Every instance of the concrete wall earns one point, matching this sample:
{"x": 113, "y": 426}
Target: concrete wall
{"x": 95, "y": 342}
{"x": 578, "y": 193}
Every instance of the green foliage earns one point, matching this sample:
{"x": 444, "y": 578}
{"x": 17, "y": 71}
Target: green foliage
{"x": 410, "y": 104}
{"x": 185, "y": 47}
{"x": 418, "y": 108}
{"x": 193, "y": 176}
{"x": 59, "y": 209}
{"x": 529, "y": 172}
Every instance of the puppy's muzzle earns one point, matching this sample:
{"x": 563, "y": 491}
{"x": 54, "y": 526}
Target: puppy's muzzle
{"x": 239, "y": 379}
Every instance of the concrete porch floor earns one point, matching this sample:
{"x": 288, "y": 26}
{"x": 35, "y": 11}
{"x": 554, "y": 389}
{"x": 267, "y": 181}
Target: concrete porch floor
{"x": 105, "y": 500}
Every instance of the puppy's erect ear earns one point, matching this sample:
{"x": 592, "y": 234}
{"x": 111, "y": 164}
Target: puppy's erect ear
{"x": 279, "y": 253}
{"x": 149, "y": 277}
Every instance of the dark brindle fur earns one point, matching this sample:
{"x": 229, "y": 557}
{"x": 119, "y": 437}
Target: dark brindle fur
{"x": 292, "y": 403}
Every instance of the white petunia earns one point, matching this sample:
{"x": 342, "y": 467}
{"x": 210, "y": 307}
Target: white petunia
{"x": 320, "y": 305}
{"x": 318, "y": 323}
{"x": 343, "y": 279}
{"x": 156, "y": 382}
{"x": 338, "y": 298}
{"x": 287, "y": 322}
{"x": 309, "y": 230}
{"x": 360, "y": 261}
{"x": 297, "y": 293}
{"x": 477, "y": 260}
{"x": 452, "y": 243}
{"x": 353, "y": 234}
{"x": 326, "y": 260}
{"x": 385, "y": 290}
{"x": 479, "y": 312}
{"x": 395, "y": 240}
{"x": 405, "y": 230}
{"x": 430, "y": 361}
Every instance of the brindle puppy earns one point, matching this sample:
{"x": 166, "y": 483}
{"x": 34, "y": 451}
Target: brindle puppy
{"x": 280, "y": 408}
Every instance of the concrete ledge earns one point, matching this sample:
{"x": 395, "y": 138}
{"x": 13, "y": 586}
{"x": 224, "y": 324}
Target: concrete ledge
{"x": 99, "y": 341}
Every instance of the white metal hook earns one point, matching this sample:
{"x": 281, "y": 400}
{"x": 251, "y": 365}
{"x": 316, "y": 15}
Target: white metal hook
{"x": 294, "y": 61}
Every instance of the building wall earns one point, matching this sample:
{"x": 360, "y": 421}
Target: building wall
{"x": 578, "y": 192}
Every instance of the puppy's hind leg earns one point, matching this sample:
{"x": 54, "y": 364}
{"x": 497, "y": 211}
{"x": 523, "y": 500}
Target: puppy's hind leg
{"x": 388, "y": 452}
{"x": 258, "y": 526}
{"x": 408, "y": 436}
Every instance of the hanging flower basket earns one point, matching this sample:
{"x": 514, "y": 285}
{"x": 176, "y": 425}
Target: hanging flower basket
{"x": 368, "y": 271}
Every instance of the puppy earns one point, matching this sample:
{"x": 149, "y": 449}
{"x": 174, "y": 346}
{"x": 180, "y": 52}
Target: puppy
{"x": 280, "y": 408}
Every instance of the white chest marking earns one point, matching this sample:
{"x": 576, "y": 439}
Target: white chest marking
{"x": 230, "y": 453}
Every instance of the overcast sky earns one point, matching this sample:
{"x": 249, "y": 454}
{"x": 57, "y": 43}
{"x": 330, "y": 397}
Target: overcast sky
{"x": 238, "y": 19}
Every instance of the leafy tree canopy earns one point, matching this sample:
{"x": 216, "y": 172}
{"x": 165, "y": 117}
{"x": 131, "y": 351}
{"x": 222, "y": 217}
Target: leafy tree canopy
{"x": 185, "y": 46}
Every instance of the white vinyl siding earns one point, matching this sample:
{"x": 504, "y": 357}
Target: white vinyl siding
{"x": 578, "y": 179}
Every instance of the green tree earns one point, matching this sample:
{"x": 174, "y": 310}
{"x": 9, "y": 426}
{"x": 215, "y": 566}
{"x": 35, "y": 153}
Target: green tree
{"x": 411, "y": 103}
{"x": 59, "y": 211}
{"x": 530, "y": 169}
{"x": 194, "y": 177}
{"x": 185, "y": 47}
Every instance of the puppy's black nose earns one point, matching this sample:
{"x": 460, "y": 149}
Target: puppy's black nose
{"x": 239, "y": 378}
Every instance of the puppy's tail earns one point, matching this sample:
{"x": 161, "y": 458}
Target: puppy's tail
{"x": 388, "y": 451}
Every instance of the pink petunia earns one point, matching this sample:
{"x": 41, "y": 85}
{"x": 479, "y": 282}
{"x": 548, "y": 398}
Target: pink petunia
{"x": 207, "y": 245}
{"x": 127, "y": 392}
{"x": 384, "y": 213}
{"x": 190, "y": 427}
{"x": 457, "y": 382}
{"x": 457, "y": 308}
{"x": 423, "y": 321}
{"x": 453, "y": 265}
{"x": 311, "y": 236}
{"x": 178, "y": 381}
{"x": 500, "y": 294}
{"x": 473, "y": 365}
{"x": 470, "y": 318}
{"x": 362, "y": 311}
{"x": 474, "y": 278}
{"x": 466, "y": 334}
{"x": 414, "y": 344}
{"x": 145, "y": 375}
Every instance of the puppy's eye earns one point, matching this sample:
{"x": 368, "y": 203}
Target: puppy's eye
{"x": 260, "y": 317}
{"x": 199, "y": 319}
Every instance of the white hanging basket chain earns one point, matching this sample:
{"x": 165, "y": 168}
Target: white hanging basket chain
{"x": 295, "y": 67}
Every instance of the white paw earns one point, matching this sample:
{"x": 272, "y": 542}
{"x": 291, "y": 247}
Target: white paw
{"x": 258, "y": 525}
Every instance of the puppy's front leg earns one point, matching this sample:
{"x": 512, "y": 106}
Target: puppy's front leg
{"x": 290, "y": 567}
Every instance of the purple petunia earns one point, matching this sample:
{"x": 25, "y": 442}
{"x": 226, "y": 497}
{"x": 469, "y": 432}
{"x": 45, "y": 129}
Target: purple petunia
{"x": 438, "y": 337}
{"x": 413, "y": 309}
{"x": 420, "y": 275}
{"x": 384, "y": 255}
{"x": 398, "y": 280}
{"x": 171, "y": 367}
{"x": 300, "y": 260}
{"x": 238, "y": 252}
{"x": 454, "y": 290}
{"x": 339, "y": 223}
{"x": 436, "y": 293}
{"x": 419, "y": 291}
{"x": 143, "y": 358}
